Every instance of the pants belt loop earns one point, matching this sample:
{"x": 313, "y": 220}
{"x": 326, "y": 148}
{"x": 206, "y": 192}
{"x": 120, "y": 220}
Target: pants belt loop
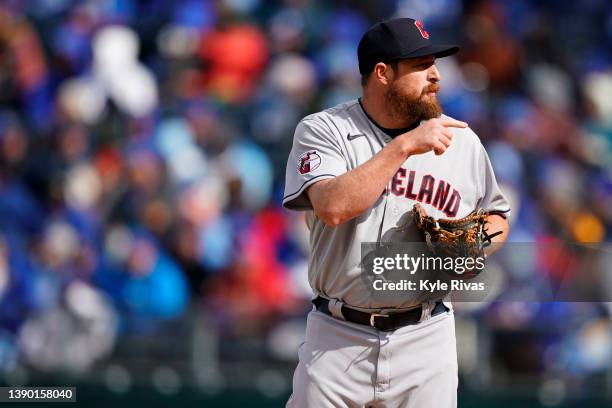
{"x": 335, "y": 308}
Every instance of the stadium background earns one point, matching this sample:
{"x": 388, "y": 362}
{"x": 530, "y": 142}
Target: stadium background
{"x": 144, "y": 253}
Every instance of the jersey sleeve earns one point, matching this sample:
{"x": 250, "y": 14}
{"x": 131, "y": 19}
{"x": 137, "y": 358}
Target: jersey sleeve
{"x": 491, "y": 197}
{"x": 315, "y": 156}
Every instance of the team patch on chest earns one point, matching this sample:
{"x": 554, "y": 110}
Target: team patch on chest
{"x": 426, "y": 189}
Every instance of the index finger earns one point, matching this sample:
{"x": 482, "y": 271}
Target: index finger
{"x": 453, "y": 123}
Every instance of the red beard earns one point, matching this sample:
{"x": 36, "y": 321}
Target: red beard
{"x": 423, "y": 107}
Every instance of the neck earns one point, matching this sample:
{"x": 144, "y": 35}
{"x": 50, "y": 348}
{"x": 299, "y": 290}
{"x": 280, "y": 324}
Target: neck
{"x": 377, "y": 108}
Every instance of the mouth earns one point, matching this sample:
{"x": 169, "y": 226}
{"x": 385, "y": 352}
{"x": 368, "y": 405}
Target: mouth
{"x": 432, "y": 90}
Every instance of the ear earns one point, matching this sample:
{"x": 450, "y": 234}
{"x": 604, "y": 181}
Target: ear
{"x": 383, "y": 73}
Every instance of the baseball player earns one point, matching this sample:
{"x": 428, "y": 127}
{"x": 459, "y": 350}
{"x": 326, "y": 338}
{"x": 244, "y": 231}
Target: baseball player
{"x": 357, "y": 169}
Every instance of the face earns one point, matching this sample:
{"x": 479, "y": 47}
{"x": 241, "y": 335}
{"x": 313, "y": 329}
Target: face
{"x": 411, "y": 92}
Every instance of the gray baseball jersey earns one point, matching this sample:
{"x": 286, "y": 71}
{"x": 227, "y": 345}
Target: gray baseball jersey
{"x": 332, "y": 142}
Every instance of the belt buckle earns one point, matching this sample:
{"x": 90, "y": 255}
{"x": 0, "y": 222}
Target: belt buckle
{"x": 373, "y": 318}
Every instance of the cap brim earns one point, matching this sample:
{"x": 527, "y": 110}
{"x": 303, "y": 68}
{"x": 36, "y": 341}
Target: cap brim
{"x": 438, "y": 51}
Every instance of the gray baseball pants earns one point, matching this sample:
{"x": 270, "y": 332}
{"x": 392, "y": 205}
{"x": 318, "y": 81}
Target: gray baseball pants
{"x": 344, "y": 364}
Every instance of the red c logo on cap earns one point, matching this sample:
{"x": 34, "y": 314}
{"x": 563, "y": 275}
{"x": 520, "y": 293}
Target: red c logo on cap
{"x": 419, "y": 25}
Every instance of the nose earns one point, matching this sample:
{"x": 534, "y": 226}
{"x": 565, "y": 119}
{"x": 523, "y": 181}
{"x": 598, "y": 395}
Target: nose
{"x": 433, "y": 75}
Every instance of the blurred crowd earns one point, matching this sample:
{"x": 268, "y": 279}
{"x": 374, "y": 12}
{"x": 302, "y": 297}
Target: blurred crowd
{"x": 143, "y": 146}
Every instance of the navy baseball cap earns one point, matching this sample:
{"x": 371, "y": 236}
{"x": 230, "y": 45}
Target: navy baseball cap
{"x": 396, "y": 39}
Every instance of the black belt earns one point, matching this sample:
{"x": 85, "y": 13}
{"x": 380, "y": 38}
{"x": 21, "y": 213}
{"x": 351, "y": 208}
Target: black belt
{"x": 383, "y": 322}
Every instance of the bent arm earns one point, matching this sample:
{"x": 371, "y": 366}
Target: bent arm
{"x": 496, "y": 223}
{"x": 340, "y": 199}
{"x": 347, "y": 196}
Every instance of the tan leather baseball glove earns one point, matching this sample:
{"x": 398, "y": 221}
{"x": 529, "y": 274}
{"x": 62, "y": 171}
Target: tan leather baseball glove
{"x": 465, "y": 237}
